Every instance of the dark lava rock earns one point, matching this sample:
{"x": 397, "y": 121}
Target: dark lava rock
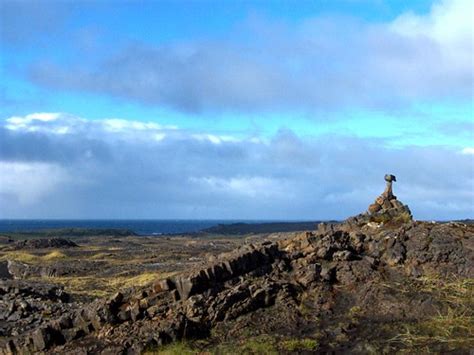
{"x": 56, "y": 243}
{"x": 26, "y": 305}
{"x": 4, "y": 271}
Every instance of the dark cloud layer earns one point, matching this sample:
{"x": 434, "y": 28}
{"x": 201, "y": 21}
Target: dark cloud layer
{"x": 323, "y": 62}
{"x": 100, "y": 169}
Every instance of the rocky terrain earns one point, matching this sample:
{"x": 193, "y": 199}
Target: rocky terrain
{"x": 380, "y": 283}
{"x": 53, "y": 243}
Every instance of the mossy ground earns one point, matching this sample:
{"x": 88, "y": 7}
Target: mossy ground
{"x": 260, "y": 345}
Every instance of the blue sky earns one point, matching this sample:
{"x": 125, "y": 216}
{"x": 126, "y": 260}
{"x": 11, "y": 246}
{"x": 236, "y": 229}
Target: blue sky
{"x": 246, "y": 92}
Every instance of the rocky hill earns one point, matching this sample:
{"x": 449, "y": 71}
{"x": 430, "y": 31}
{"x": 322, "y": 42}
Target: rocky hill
{"x": 379, "y": 282}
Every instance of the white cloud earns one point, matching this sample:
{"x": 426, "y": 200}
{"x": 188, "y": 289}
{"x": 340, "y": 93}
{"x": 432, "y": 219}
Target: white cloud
{"x": 64, "y": 124}
{"x": 119, "y": 125}
{"x": 28, "y": 182}
{"x": 251, "y": 186}
{"x": 215, "y": 139}
{"x": 61, "y": 130}
{"x": 28, "y": 122}
{"x": 449, "y": 26}
{"x": 449, "y": 22}
{"x": 159, "y": 136}
{"x": 468, "y": 151}
{"x": 43, "y": 116}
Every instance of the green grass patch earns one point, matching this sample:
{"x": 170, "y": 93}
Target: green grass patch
{"x": 178, "y": 348}
{"x": 299, "y": 344}
{"x": 260, "y": 345}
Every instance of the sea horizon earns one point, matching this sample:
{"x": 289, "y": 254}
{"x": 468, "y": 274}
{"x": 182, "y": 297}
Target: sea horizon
{"x": 138, "y": 226}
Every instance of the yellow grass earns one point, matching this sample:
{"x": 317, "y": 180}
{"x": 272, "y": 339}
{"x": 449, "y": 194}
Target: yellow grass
{"x": 103, "y": 286}
{"x": 54, "y": 255}
{"x": 101, "y": 256}
{"x": 32, "y": 258}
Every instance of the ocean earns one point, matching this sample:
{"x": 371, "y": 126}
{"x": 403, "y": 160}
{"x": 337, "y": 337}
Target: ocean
{"x": 141, "y": 227}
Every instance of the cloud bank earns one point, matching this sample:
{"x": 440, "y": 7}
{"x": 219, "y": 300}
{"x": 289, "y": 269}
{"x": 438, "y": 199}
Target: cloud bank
{"x": 59, "y": 165}
{"x": 323, "y": 62}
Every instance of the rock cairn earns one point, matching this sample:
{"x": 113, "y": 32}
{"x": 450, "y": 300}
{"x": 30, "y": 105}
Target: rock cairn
{"x": 386, "y": 208}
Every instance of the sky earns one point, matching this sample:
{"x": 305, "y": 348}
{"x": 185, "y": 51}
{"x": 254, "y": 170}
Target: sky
{"x": 197, "y": 109}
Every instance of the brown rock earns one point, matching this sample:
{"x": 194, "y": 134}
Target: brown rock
{"x": 386, "y": 205}
{"x": 379, "y": 200}
{"x": 374, "y": 208}
{"x": 396, "y": 204}
{"x": 163, "y": 285}
{"x": 45, "y": 337}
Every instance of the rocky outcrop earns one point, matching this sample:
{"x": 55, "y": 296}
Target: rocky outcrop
{"x": 243, "y": 262}
{"x": 20, "y": 270}
{"x": 25, "y": 305}
{"x": 45, "y": 243}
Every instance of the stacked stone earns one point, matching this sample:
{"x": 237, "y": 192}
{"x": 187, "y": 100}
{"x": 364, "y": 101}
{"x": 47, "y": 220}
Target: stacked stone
{"x": 387, "y": 204}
